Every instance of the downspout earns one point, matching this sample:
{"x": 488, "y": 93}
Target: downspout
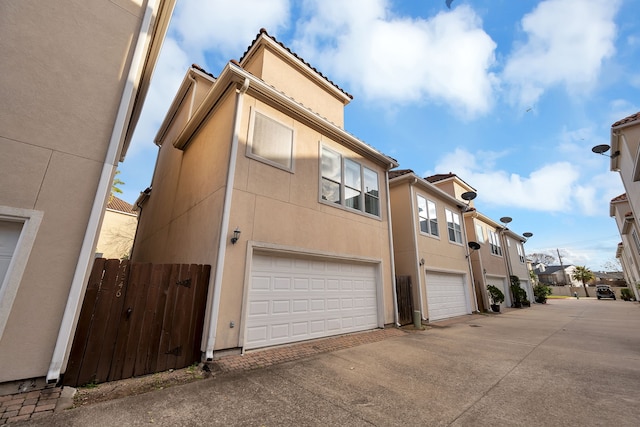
{"x": 415, "y": 247}
{"x": 393, "y": 259}
{"x": 84, "y": 264}
{"x": 215, "y": 282}
{"x": 466, "y": 239}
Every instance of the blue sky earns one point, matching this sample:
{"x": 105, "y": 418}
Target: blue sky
{"x": 509, "y": 95}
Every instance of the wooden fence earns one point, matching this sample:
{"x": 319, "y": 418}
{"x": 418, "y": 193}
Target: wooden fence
{"x": 137, "y": 319}
{"x": 405, "y": 300}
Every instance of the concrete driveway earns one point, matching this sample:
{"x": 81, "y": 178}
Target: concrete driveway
{"x": 567, "y": 363}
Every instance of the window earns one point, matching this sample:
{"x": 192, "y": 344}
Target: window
{"x": 427, "y": 216}
{"x": 520, "y": 252}
{"x": 479, "y": 233}
{"x": 636, "y": 240}
{"x": 270, "y": 141}
{"x": 494, "y": 243}
{"x": 349, "y": 183}
{"x": 453, "y": 226}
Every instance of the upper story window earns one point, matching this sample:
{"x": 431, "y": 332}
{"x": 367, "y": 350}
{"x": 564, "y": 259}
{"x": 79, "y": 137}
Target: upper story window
{"x": 347, "y": 183}
{"x": 427, "y": 216}
{"x": 494, "y": 243}
{"x": 520, "y": 252}
{"x": 636, "y": 240}
{"x": 479, "y": 233}
{"x": 453, "y": 226}
{"x": 270, "y": 141}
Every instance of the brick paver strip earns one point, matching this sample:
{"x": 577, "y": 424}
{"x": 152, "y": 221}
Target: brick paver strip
{"x": 268, "y": 357}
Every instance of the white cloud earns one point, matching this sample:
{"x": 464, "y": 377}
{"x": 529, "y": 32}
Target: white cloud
{"x": 567, "y": 42}
{"x": 561, "y": 186}
{"x": 226, "y": 27}
{"x": 398, "y": 60}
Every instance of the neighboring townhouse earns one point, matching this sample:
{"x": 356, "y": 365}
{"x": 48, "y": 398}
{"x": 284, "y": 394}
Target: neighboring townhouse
{"x": 257, "y": 177}
{"x": 118, "y": 230}
{"x": 430, "y": 247}
{"x": 74, "y": 77}
{"x": 489, "y": 263}
{"x": 628, "y": 251}
{"x": 625, "y": 159}
{"x": 501, "y": 253}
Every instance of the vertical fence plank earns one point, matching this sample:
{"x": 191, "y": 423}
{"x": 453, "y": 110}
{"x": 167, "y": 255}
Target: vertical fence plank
{"x": 405, "y": 299}
{"x": 139, "y": 288}
{"x": 165, "y": 338}
{"x": 83, "y": 327}
{"x": 162, "y": 274}
{"x": 184, "y": 307}
{"x": 113, "y": 322}
{"x": 100, "y": 320}
{"x": 146, "y": 328}
{"x": 200, "y": 308}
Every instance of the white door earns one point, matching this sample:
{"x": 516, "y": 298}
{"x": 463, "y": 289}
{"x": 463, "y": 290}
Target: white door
{"x": 293, "y": 299}
{"x": 9, "y": 235}
{"x": 446, "y": 296}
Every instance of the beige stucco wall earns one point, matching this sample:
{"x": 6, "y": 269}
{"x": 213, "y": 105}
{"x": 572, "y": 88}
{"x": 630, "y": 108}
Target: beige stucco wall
{"x": 629, "y": 147}
{"x": 273, "y": 69}
{"x": 116, "y": 235}
{"x": 63, "y": 68}
{"x": 439, "y": 254}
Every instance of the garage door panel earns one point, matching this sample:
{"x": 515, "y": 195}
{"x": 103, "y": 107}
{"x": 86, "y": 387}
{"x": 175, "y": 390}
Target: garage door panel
{"x": 446, "y": 295}
{"x": 295, "y": 299}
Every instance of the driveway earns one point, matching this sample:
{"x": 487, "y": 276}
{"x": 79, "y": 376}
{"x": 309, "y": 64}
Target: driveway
{"x": 566, "y": 363}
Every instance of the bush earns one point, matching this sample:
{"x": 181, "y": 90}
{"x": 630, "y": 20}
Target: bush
{"x": 625, "y": 294}
{"x": 496, "y": 295}
{"x": 541, "y": 292}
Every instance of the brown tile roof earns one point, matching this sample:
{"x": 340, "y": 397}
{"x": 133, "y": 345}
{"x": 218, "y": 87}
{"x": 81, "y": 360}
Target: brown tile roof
{"x": 263, "y": 31}
{"x": 199, "y": 68}
{"x": 120, "y": 205}
{"x": 620, "y": 198}
{"x": 439, "y": 177}
{"x": 398, "y": 172}
{"x": 629, "y": 119}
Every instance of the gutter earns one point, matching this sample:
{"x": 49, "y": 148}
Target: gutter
{"x": 115, "y": 151}
{"x": 215, "y": 282}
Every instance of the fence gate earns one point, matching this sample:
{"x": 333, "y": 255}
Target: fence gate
{"x": 137, "y": 319}
{"x": 405, "y": 300}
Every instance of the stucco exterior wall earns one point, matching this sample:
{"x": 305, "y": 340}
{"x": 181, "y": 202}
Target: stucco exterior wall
{"x": 271, "y": 68}
{"x": 116, "y": 235}
{"x": 187, "y": 196}
{"x": 63, "y": 68}
{"x": 275, "y": 207}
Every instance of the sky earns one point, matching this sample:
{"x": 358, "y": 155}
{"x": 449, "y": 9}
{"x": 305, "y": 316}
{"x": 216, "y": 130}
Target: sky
{"x": 508, "y": 95}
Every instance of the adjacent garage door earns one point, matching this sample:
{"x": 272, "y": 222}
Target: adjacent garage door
{"x": 446, "y": 296}
{"x": 294, "y": 299}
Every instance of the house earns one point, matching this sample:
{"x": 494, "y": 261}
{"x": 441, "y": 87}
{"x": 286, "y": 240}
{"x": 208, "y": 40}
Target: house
{"x": 74, "y": 77}
{"x": 556, "y": 275}
{"x": 611, "y": 278}
{"x": 628, "y": 251}
{"x": 625, "y": 159}
{"x": 501, "y": 253}
{"x": 430, "y": 246}
{"x": 257, "y": 177}
{"x": 118, "y": 230}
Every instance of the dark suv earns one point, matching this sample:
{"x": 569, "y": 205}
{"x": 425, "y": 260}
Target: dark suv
{"x": 604, "y": 291}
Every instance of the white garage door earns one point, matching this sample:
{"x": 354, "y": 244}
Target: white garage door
{"x": 446, "y": 296}
{"x": 295, "y": 299}
{"x": 9, "y": 235}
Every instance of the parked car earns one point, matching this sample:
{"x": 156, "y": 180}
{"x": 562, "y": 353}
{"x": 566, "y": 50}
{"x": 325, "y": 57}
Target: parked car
{"x": 604, "y": 291}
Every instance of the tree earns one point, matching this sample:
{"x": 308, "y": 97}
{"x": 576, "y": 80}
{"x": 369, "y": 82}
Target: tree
{"x": 115, "y": 185}
{"x": 583, "y": 274}
{"x": 540, "y": 258}
{"x": 612, "y": 265}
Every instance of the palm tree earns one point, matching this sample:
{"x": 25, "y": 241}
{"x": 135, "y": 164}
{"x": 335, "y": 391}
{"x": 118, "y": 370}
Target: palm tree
{"x": 584, "y": 275}
{"x": 115, "y": 185}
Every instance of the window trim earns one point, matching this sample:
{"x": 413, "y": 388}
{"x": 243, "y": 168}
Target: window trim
{"x": 250, "y": 137}
{"x": 456, "y": 232}
{"x": 342, "y": 184}
{"x": 31, "y": 220}
{"x": 428, "y": 218}
{"x": 636, "y": 240}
